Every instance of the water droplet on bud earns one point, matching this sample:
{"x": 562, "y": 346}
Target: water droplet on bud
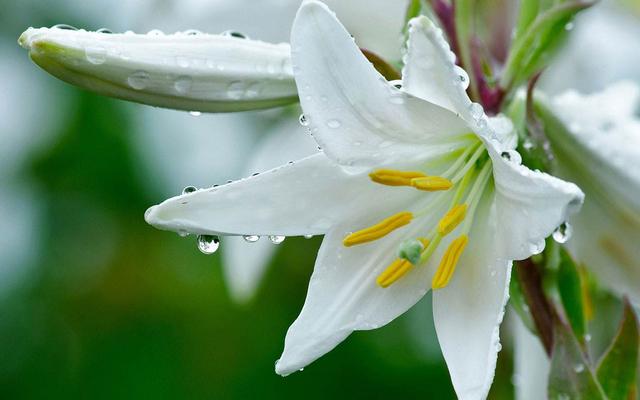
{"x": 563, "y": 233}
{"x": 276, "y": 239}
{"x": 189, "y": 189}
{"x": 251, "y": 238}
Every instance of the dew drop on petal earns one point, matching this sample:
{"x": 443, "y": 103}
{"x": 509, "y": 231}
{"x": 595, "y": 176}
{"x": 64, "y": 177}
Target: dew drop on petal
{"x": 138, "y": 80}
{"x": 569, "y": 26}
{"x": 95, "y": 54}
{"x": 183, "y": 84}
{"x": 208, "y": 244}
{"x": 183, "y": 233}
{"x": 563, "y": 233}
{"x": 189, "y": 189}
{"x": 236, "y": 90}
{"x": 155, "y": 32}
{"x": 476, "y": 110}
{"x": 64, "y": 27}
{"x": 104, "y": 30}
{"x": 334, "y": 124}
{"x": 276, "y": 239}
{"x": 308, "y": 236}
{"x": 512, "y": 156}
{"x": 235, "y": 34}
{"x": 195, "y": 113}
{"x": 304, "y": 120}
{"x": 251, "y": 238}
{"x": 578, "y": 368}
{"x": 396, "y": 83}
{"x": 463, "y": 77}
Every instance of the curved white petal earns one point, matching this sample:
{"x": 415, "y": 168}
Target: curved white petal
{"x": 531, "y": 364}
{"x": 305, "y": 197}
{"x": 245, "y": 263}
{"x": 600, "y": 150}
{"x": 212, "y": 73}
{"x": 430, "y": 71}
{"x": 530, "y": 205}
{"x": 356, "y": 116}
{"x": 468, "y": 312}
{"x": 343, "y": 295}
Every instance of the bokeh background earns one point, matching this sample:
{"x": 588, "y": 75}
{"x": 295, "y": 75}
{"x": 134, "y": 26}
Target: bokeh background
{"x": 96, "y": 304}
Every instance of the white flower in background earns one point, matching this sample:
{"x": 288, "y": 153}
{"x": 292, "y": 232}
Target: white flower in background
{"x": 415, "y": 189}
{"x": 602, "y": 49}
{"x": 600, "y": 150}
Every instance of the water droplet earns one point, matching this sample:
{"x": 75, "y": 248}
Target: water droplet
{"x": 587, "y": 337}
{"x": 208, "y": 244}
{"x": 476, "y": 110}
{"x": 189, "y": 189}
{"x": 138, "y": 80}
{"x": 276, "y": 239}
{"x": 563, "y": 233}
{"x": 251, "y": 238}
{"x": 64, "y": 27}
{"x": 334, "y": 123}
{"x": 308, "y": 236}
{"x": 192, "y": 32}
{"x": 95, "y": 54}
{"x": 195, "y": 113}
{"x": 512, "y": 156}
{"x": 506, "y": 155}
{"x": 528, "y": 144}
{"x": 569, "y": 26}
{"x": 397, "y": 83}
{"x": 578, "y": 368}
{"x": 253, "y": 90}
{"x": 236, "y": 90}
{"x": 182, "y": 62}
{"x": 235, "y": 34}
{"x": 105, "y": 30}
{"x": 183, "y": 233}
{"x": 183, "y": 84}
{"x": 498, "y": 346}
{"x": 155, "y": 32}
{"x": 304, "y": 121}
{"x": 463, "y": 77}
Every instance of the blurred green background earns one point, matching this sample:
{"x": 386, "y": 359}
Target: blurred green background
{"x": 94, "y": 303}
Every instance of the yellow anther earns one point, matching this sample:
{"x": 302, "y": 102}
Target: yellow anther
{"x": 448, "y": 263}
{"x": 431, "y": 183}
{"x": 452, "y": 219}
{"x": 378, "y": 230}
{"x": 394, "y": 271}
{"x": 392, "y": 177}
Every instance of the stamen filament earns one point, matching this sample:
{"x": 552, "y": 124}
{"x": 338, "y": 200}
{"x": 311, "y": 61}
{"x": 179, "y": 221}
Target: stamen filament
{"x": 475, "y": 194}
{"x": 378, "y": 230}
{"x": 448, "y": 263}
{"x": 470, "y": 163}
{"x": 460, "y": 161}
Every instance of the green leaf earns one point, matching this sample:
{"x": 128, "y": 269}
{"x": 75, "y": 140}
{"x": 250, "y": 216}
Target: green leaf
{"x": 571, "y": 376}
{"x": 542, "y": 36}
{"x": 617, "y": 368}
{"x": 570, "y": 289}
{"x": 528, "y": 12}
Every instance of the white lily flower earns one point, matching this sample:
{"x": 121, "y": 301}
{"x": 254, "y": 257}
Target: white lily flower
{"x": 185, "y": 71}
{"x": 424, "y": 169}
{"x": 600, "y": 150}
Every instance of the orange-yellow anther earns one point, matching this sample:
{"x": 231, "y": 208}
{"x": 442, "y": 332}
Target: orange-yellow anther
{"x": 392, "y": 177}
{"x": 431, "y": 183}
{"x": 452, "y": 219}
{"x": 394, "y": 271}
{"x": 378, "y": 230}
{"x": 448, "y": 263}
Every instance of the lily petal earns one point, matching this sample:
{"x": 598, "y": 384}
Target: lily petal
{"x": 201, "y": 72}
{"x": 307, "y": 197}
{"x": 468, "y": 312}
{"x": 343, "y": 295}
{"x": 355, "y": 115}
{"x": 530, "y": 205}
{"x": 430, "y": 71}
